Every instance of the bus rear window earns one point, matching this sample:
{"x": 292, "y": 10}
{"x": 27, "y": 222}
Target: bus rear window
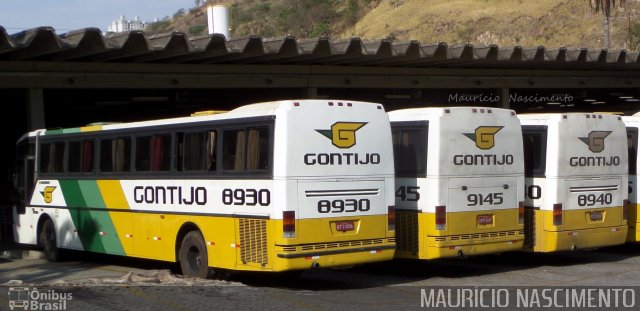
{"x": 534, "y": 139}
{"x": 410, "y": 150}
{"x": 632, "y": 145}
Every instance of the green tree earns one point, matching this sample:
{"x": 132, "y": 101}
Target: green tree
{"x": 605, "y": 7}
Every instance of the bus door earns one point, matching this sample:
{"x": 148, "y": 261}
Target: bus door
{"x": 23, "y": 177}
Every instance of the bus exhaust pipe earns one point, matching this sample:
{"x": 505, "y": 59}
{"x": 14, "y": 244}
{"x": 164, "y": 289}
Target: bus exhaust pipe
{"x": 460, "y": 254}
{"x": 315, "y": 265}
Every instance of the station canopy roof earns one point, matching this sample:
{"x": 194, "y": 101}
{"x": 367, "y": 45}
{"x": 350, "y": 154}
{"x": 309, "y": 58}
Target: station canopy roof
{"x": 91, "y": 45}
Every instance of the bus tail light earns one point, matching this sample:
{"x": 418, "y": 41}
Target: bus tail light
{"x": 441, "y": 217}
{"x": 625, "y": 209}
{"x": 391, "y": 218}
{"x": 289, "y": 224}
{"x": 521, "y": 212}
{"x": 557, "y": 214}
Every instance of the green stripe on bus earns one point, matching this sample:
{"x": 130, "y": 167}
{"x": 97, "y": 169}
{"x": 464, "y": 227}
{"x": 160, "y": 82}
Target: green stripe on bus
{"x": 95, "y": 228}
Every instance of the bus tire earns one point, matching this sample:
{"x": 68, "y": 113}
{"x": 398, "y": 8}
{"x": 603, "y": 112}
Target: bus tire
{"x": 193, "y": 256}
{"x": 48, "y": 241}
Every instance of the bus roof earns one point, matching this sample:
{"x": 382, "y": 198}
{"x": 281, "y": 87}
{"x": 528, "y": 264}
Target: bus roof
{"x": 417, "y": 113}
{"x": 247, "y": 111}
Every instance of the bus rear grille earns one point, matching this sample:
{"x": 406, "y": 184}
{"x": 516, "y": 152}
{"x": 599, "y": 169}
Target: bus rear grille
{"x": 336, "y": 245}
{"x": 253, "y": 241}
{"x": 466, "y": 237}
{"x": 407, "y": 231}
{"x": 529, "y": 226}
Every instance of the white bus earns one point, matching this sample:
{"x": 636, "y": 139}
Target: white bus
{"x": 459, "y": 181}
{"x": 576, "y": 181}
{"x": 276, "y": 186}
{"x": 632, "y": 124}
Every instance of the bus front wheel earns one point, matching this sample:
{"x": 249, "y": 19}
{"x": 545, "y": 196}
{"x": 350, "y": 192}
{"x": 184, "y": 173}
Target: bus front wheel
{"x": 193, "y": 256}
{"x": 47, "y": 239}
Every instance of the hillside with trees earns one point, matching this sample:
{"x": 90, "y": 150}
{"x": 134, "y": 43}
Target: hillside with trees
{"x": 551, "y": 23}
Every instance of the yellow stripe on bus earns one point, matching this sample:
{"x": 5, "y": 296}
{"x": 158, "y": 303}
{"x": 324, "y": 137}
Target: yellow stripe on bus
{"x": 114, "y": 198}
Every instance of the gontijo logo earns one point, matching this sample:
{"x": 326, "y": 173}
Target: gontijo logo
{"x": 595, "y": 140}
{"x": 484, "y": 136}
{"x": 343, "y": 134}
{"x": 47, "y": 194}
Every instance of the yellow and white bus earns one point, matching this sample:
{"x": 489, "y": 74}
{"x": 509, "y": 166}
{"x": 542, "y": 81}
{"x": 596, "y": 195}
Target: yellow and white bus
{"x": 277, "y": 186}
{"x": 576, "y": 181}
{"x": 632, "y": 124}
{"x": 459, "y": 181}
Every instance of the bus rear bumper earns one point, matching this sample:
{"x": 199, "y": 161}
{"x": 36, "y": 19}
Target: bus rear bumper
{"x": 467, "y": 245}
{"x": 583, "y": 239}
{"x": 333, "y": 258}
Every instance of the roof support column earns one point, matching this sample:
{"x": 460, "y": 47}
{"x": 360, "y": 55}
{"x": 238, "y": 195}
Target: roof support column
{"x": 35, "y": 109}
{"x": 504, "y": 98}
{"x": 312, "y": 92}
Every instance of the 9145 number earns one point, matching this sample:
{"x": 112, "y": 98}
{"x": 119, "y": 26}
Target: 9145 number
{"x": 493, "y": 198}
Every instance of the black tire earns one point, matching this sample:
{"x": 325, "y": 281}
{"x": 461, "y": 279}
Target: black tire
{"x": 193, "y": 256}
{"x": 48, "y": 241}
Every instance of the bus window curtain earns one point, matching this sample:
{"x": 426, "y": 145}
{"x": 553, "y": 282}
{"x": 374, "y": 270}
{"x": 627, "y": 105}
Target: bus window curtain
{"x": 117, "y": 154}
{"x": 240, "y": 151}
{"x": 87, "y": 156}
{"x": 211, "y": 152}
{"x": 253, "y": 149}
{"x": 156, "y": 154}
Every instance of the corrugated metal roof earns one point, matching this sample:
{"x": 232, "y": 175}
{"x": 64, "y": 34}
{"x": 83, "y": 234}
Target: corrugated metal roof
{"x": 90, "y": 45}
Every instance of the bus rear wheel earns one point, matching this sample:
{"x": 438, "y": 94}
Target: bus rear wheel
{"x": 47, "y": 239}
{"x": 193, "y": 256}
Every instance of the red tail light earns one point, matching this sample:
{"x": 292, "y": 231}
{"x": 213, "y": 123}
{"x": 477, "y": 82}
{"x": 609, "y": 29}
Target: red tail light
{"x": 391, "y": 218}
{"x": 441, "y": 217}
{"x": 557, "y": 214}
{"x": 521, "y": 212}
{"x": 625, "y": 209}
{"x": 289, "y": 224}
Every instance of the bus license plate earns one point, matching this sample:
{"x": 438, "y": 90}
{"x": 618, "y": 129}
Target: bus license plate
{"x": 485, "y": 220}
{"x": 595, "y": 216}
{"x": 344, "y": 226}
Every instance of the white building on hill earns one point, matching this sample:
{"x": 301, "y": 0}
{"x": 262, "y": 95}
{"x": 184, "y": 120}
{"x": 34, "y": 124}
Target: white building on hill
{"x": 122, "y": 24}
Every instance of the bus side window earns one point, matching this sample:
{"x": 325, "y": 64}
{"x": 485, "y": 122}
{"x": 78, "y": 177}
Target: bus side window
{"x": 196, "y": 151}
{"x": 115, "y": 155}
{"x": 245, "y": 149}
{"x": 52, "y": 157}
{"x": 80, "y": 156}
{"x": 153, "y": 153}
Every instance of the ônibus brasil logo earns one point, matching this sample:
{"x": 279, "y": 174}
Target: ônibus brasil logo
{"x": 343, "y": 134}
{"x": 484, "y": 136}
{"x": 595, "y": 140}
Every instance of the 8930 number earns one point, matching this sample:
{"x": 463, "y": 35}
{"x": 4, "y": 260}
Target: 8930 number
{"x": 249, "y": 197}
{"x": 344, "y": 206}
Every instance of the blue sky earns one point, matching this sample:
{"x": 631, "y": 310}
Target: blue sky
{"x": 66, "y": 15}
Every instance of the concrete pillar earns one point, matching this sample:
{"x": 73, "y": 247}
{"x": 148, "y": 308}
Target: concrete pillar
{"x": 504, "y": 98}
{"x": 312, "y": 92}
{"x": 35, "y": 109}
